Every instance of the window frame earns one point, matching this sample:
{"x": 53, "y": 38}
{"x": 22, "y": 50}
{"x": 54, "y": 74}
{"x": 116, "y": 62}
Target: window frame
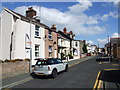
{"x": 37, "y": 51}
{"x": 50, "y": 51}
{"x": 50, "y": 34}
{"x": 37, "y": 30}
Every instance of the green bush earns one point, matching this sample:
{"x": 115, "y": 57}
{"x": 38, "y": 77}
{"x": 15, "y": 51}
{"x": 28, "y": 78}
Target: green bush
{"x": 27, "y": 59}
{"x": 15, "y": 60}
{"x": 70, "y": 56}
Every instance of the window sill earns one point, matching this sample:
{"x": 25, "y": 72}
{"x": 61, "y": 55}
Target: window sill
{"x": 38, "y": 37}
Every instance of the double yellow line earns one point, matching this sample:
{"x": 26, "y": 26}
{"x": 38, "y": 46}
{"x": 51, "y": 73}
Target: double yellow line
{"x": 98, "y": 83}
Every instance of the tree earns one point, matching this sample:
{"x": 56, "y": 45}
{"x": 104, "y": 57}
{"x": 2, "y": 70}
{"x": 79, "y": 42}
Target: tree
{"x": 85, "y": 48}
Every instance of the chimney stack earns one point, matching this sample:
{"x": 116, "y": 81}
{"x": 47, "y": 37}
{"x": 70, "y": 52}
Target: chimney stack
{"x": 53, "y": 27}
{"x": 30, "y": 12}
{"x": 65, "y": 30}
{"x": 71, "y": 32}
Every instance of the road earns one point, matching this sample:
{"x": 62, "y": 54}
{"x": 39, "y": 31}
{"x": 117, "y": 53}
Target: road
{"x": 82, "y": 75}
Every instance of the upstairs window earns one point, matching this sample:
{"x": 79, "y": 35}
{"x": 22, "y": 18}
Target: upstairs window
{"x": 37, "y": 30}
{"x": 49, "y": 34}
{"x": 76, "y": 44}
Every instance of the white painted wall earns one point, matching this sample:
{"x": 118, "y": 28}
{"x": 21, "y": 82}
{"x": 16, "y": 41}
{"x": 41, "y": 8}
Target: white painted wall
{"x": 6, "y": 29}
{"x": 0, "y": 38}
{"x": 23, "y": 28}
{"x": 20, "y": 29}
{"x": 64, "y": 42}
{"x": 76, "y": 47}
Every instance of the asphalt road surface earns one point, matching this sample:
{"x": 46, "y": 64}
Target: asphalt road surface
{"x": 82, "y": 75}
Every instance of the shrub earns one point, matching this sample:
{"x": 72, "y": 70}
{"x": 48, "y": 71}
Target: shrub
{"x": 15, "y": 60}
{"x": 63, "y": 58}
{"x": 70, "y": 56}
{"x": 27, "y": 59}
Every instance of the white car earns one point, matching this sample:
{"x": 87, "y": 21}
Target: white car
{"x": 50, "y": 66}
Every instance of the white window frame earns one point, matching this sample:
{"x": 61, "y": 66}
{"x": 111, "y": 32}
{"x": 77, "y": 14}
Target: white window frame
{"x": 37, "y": 30}
{"x": 50, "y": 51}
{"x": 49, "y": 34}
{"x": 37, "y": 50}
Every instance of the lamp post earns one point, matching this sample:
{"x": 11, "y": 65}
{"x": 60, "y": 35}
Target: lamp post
{"x": 109, "y": 47}
{"x": 30, "y": 49}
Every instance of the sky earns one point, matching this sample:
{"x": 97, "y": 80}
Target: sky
{"x": 90, "y": 21}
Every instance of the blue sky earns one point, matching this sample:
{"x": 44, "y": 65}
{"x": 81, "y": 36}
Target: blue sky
{"x": 92, "y": 21}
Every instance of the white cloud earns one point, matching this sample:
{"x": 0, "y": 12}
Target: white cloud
{"x": 90, "y": 42}
{"x": 115, "y": 35}
{"x": 105, "y": 40}
{"x": 74, "y": 19}
{"x": 110, "y": 14}
{"x": 21, "y": 10}
{"x": 81, "y": 7}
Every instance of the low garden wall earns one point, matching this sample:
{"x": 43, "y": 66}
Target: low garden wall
{"x": 10, "y": 69}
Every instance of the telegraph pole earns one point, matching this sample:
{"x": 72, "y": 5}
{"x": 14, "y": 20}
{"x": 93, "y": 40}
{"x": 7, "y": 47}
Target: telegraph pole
{"x": 30, "y": 48}
{"x": 109, "y": 49}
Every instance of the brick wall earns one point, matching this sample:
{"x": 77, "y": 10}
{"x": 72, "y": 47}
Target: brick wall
{"x": 10, "y": 69}
{"x": 53, "y": 43}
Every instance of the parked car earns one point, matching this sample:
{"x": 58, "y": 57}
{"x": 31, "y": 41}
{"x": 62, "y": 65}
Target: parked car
{"x": 88, "y": 54}
{"x": 50, "y": 66}
{"x": 103, "y": 58}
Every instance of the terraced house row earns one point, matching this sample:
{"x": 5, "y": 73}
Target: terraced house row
{"x": 20, "y": 34}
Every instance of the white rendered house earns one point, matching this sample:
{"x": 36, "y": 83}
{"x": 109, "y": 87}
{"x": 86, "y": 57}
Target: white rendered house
{"x": 15, "y": 37}
{"x": 76, "y": 48}
{"x": 63, "y": 44}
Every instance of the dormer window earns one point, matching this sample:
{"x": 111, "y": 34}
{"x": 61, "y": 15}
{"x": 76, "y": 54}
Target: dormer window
{"x": 37, "y": 30}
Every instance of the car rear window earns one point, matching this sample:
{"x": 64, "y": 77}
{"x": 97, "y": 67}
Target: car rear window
{"x": 45, "y": 62}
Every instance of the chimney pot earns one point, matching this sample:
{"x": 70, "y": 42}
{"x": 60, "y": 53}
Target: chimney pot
{"x": 30, "y": 12}
{"x": 65, "y": 30}
{"x": 53, "y": 27}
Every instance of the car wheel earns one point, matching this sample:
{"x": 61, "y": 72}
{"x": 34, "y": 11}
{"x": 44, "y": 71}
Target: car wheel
{"x": 54, "y": 73}
{"x": 66, "y": 68}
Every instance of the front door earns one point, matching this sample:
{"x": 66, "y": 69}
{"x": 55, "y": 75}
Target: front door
{"x": 55, "y": 53}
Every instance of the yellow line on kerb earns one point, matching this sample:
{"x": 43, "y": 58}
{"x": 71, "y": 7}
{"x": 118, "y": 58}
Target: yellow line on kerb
{"x": 97, "y": 81}
{"x": 111, "y": 69}
{"x": 100, "y": 83}
{"x": 76, "y": 63}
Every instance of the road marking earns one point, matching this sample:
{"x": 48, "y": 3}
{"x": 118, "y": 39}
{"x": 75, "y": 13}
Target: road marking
{"x": 99, "y": 84}
{"x": 97, "y": 81}
{"x": 112, "y": 69}
{"x": 17, "y": 83}
{"x": 78, "y": 62}
{"x": 108, "y": 63}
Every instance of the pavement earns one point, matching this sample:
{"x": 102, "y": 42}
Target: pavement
{"x": 16, "y": 80}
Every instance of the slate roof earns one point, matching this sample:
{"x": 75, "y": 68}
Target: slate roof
{"x": 27, "y": 19}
